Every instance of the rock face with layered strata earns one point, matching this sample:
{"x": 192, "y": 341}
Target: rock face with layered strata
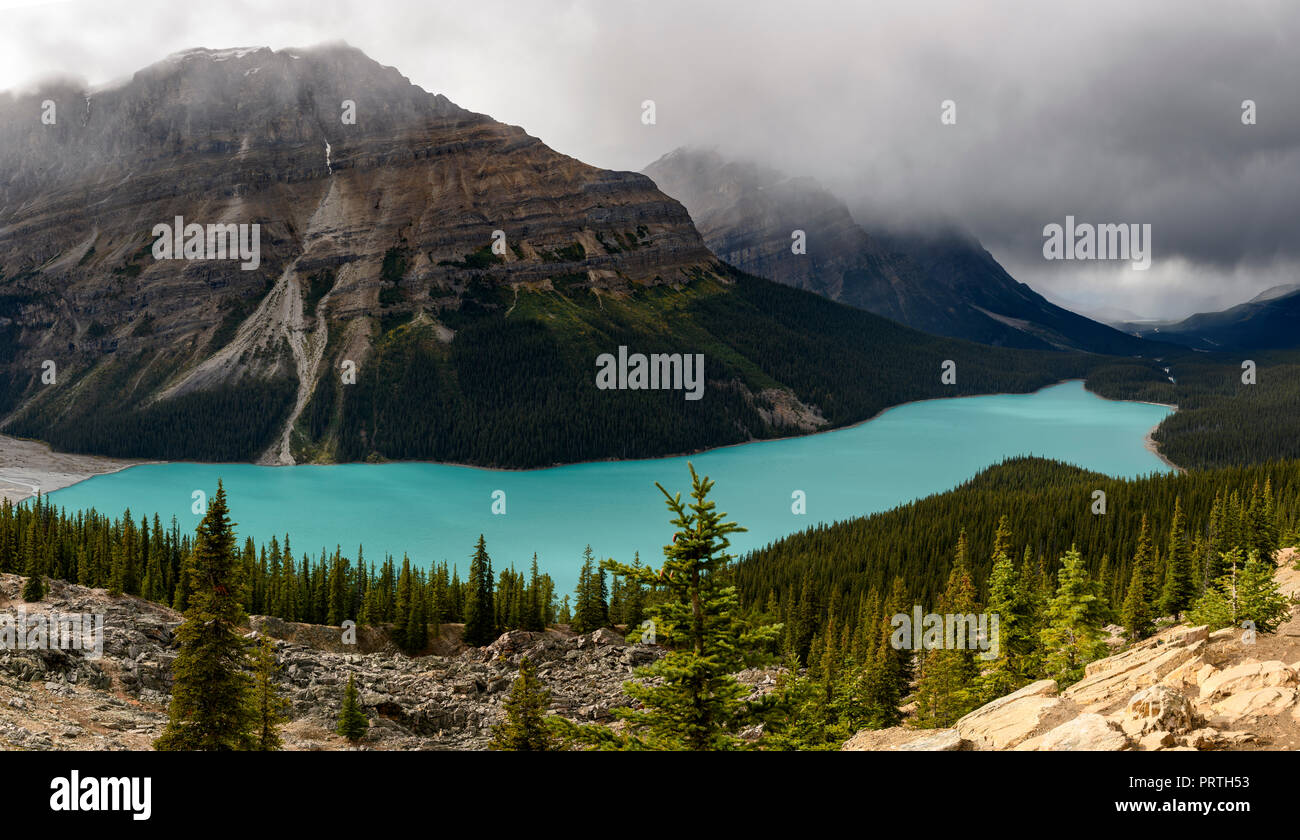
{"x": 364, "y": 223}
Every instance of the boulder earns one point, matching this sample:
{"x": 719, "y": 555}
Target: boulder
{"x": 1108, "y": 683}
{"x": 1158, "y": 708}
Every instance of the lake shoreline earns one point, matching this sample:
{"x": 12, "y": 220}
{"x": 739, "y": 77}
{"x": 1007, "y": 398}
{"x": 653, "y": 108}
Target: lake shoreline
{"x": 1149, "y": 441}
{"x": 58, "y": 470}
{"x": 30, "y": 466}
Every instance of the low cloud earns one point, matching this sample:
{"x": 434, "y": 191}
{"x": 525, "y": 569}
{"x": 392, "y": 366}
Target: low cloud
{"x": 1108, "y": 111}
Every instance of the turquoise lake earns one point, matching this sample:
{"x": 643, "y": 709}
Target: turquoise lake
{"x": 435, "y": 512}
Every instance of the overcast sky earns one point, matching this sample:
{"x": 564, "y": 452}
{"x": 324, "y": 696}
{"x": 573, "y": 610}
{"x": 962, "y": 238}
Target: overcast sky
{"x": 1111, "y": 112}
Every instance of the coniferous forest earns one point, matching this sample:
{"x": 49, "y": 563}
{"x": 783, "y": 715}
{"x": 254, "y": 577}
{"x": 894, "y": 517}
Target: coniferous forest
{"x": 1020, "y": 540}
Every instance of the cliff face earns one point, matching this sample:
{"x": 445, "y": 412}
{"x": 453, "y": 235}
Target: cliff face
{"x": 363, "y": 226}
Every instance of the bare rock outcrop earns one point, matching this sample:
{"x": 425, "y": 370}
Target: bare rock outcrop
{"x": 74, "y": 699}
{"x": 1010, "y": 720}
{"x": 1185, "y": 688}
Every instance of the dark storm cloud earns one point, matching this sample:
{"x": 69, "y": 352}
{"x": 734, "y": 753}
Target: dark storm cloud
{"x": 1107, "y": 111}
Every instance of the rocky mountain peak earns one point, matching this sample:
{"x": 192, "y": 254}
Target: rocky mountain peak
{"x": 376, "y": 204}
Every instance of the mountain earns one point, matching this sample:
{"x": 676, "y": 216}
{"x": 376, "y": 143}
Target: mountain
{"x": 384, "y": 220}
{"x": 1268, "y": 321}
{"x": 378, "y": 321}
{"x": 942, "y": 282}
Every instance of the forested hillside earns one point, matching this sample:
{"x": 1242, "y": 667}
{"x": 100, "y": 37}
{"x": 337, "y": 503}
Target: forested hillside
{"x": 1049, "y": 508}
{"x": 1221, "y": 420}
{"x": 519, "y": 390}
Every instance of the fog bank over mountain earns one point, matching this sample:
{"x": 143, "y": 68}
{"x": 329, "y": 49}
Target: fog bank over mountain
{"x": 1108, "y": 111}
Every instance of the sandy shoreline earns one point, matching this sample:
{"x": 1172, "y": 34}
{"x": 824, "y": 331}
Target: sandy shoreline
{"x": 29, "y": 466}
{"x": 1149, "y": 441}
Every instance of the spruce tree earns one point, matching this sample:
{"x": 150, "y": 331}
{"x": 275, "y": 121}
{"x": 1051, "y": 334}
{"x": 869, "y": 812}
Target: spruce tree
{"x": 1248, "y": 592}
{"x": 480, "y": 608}
{"x": 1136, "y": 612}
{"x": 268, "y": 705}
{"x": 34, "y": 587}
{"x": 181, "y": 598}
{"x": 688, "y": 700}
{"x": 1075, "y": 616}
{"x": 948, "y": 687}
{"x": 402, "y": 607}
{"x": 881, "y": 685}
{"x": 1180, "y": 573}
{"x": 210, "y": 706}
{"x": 353, "y": 723}
{"x": 1262, "y": 601}
{"x": 524, "y": 728}
{"x": 1016, "y": 642}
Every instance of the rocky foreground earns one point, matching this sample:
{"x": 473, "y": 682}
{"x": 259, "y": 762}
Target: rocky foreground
{"x": 1183, "y": 689}
{"x": 64, "y": 700}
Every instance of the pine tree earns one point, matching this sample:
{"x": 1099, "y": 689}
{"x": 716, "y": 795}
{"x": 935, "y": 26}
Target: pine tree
{"x": 1262, "y": 601}
{"x": 688, "y": 699}
{"x": 480, "y": 610}
{"x": 184, "y": 581}
{"x": 1248, "y": 592}
{"x": 8, "y": 538}
{"x": 534, "y": 613}
{"x": 881, "y": 686}
{"x": 591, "y": 608}
{"x": 1136, "y": 612}
{"x": 210, "y": 707}
{"x": 1015, "y": 644}
{"x": 353, "y": 723}
{"x": 899, "y": 602}
{"x": 524, "y": 728}
{"x": 268, "y": 705}
{"x": 337, "y": 583}
{"x": 947, "y": 687}
{"x": 402, "y": 608}
{"x": 1075, "y": 616}
{"x": 1180, "y": 572}
{"x": 34, "y": 587}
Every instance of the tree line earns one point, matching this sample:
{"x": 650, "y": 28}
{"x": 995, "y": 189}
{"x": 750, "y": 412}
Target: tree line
{"x": 1208, "y": 558}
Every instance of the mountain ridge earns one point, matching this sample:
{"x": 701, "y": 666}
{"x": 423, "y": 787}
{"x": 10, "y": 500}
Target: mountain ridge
{"x": 1268, "y": 321}
{"x": 939, "y": 281}
{"x": 382, "y": 260}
